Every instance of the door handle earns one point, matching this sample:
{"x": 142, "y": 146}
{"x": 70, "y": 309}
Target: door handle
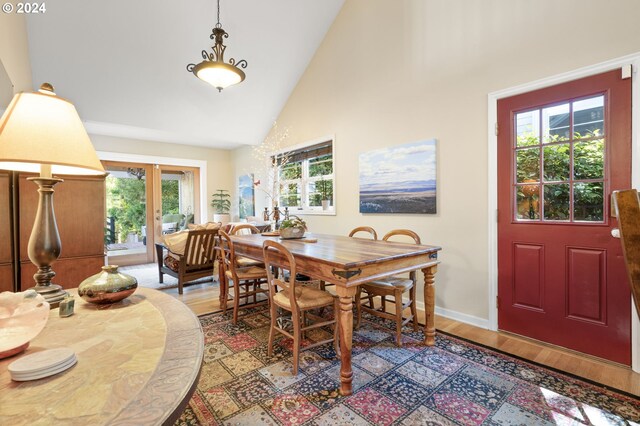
{"x": 615, "y": 233}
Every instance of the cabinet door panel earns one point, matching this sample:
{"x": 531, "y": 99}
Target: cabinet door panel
{"x": 79, "y": 205}
{"x": 69, "y": 272}
{"x": 5, "y": 220}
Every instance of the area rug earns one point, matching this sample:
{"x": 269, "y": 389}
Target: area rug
{"x": 451, "y": 383}
{"x": 147, "y": 276}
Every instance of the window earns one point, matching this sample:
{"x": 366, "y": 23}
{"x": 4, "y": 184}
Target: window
{"x": 560, "y": 177}
{"x": 307, "y": 179}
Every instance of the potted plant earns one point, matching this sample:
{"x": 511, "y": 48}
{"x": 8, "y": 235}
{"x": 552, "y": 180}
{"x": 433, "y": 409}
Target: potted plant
{"x": 294, "y": 227}
{"x": 221, "y": 204}
{"x": 322, "y": 186}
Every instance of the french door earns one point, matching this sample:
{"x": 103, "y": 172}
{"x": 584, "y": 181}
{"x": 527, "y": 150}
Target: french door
{"x": 145, "y": 202}
{"x": 562, "y": 150}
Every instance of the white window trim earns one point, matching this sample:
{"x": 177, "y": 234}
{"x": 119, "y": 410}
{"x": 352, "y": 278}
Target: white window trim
{"x": 314, "y": 211}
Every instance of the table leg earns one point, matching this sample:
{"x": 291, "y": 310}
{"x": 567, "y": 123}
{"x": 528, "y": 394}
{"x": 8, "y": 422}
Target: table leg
{"x": 429, "y": 305}
{"x": 346, "y": 337}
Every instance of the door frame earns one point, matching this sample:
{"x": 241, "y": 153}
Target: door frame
{"x": 172, "y": 161}
{"x": 492, "y": 162}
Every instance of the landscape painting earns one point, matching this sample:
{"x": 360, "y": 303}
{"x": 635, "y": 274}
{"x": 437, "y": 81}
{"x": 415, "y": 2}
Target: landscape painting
{"x": 246, "y": 199}
{"x": 399, "y": 179}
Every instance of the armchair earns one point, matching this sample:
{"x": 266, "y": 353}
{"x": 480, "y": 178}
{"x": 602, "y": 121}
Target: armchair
{"x": 196, "y": 260}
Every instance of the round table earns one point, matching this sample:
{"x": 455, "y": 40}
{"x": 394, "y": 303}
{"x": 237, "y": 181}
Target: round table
{"x": 138, "y": 363}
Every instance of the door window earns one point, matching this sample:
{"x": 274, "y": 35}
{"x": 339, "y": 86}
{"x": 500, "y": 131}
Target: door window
{"x": 559, "y": 162}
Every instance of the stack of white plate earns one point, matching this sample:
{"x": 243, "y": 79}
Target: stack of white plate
{"x": 42, "y": 364}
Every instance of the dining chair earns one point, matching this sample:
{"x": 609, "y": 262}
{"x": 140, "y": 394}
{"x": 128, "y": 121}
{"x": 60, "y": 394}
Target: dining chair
{"x": 246, "y": 281}
{"x": 367, "y": 229}
{"x": 394, "y": 286}
{"x": 246, "y": 229}
{"x": 288, "y": 295}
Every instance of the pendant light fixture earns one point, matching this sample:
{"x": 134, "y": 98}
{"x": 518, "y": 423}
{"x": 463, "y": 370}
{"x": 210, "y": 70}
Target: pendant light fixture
{"x": 213, "y": 69}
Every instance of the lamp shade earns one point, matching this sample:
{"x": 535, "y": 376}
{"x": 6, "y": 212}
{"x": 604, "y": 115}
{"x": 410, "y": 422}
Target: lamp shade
{"x": 40, "y": 128}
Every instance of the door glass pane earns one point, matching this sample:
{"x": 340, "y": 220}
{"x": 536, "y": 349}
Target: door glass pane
{"x": 588, "y": 203}
{"x": 527, "y": 164}
{"x": 555, "y": 123}
{"x": 556, "y": 202}
{"x": 177, "y": 200}
{"x": 588, "y": 160}
{"x": 528, "y": 206}
{"x": 528, "y": 128}
{"x": 588, "y": 117}
{"x": 557, "y": 162}
{"x": 126, "y": 210}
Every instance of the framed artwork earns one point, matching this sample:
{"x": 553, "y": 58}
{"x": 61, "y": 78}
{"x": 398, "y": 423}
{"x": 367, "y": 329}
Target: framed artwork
{"x": 399, "y": 179}
{"x": 246, "y": 200}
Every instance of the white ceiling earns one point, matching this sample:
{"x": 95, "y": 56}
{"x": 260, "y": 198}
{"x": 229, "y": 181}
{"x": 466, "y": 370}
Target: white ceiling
{"x": 123, "y": 64}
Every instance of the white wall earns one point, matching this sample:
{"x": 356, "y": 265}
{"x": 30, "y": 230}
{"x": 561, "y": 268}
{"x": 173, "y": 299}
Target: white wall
{"x": 14, "y": 51}
{"x": 392, "y": 72}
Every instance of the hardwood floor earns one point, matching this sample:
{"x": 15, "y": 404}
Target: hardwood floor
{"x": 203, "y": 299}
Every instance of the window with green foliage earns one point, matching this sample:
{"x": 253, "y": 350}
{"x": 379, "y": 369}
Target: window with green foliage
{"x": 307, "y": 179}
{"x": 560, "y": 162}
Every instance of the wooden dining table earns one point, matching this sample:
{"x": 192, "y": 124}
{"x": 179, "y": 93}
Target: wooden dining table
{"x": 348, "y": 262}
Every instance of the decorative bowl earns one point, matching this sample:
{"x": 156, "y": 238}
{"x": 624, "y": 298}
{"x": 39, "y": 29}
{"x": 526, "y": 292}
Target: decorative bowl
{"x": 108, "y": 286}
{"x": 290, "y": 233}
{"x": 22, "y": 317}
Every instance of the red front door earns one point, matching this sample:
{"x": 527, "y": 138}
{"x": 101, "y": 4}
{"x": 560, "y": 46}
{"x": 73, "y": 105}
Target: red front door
{"x": 562, "y": 150}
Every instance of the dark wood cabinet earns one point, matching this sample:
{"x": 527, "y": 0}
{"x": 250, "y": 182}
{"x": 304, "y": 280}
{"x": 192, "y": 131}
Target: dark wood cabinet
{"x": 79, "y": 204}
{"x": 6, "y": 236}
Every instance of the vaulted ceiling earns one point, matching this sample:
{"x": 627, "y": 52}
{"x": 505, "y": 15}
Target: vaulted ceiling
{"x": 123, "y": 64}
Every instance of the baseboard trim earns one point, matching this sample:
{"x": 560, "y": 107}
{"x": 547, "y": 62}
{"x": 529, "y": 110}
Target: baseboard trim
{"x": 458, "y": 316}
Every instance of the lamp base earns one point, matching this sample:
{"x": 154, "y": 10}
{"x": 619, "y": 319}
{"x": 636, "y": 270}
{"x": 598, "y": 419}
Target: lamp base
{"x": 52, "y": 293}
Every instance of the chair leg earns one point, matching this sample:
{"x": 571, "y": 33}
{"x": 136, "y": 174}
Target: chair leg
{"x": 225, "y": 296}
{"x": 336, "y": 329}
{"x": 272, "y": 329}
{"x": 236, "y": 302}
{"x": 414, "y": 309}
{"x": 180, "y": 279}
{"x": 383, "y": 302}
{"x": 398, "y": 303}
{"x": 296, "y": 343}
{"x": 304, "y": 324}
{"x": 322, "y": 285}
{"x": 358, "y": 308}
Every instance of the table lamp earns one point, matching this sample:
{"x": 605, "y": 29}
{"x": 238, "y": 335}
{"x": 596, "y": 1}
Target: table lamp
{"x": 41, "y": 132}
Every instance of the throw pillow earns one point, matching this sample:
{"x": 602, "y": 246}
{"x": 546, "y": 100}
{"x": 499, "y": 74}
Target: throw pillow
{"x": 208, "y": 225}
{"x": 176, "y": 242}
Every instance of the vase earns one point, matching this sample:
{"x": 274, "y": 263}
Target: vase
{"x": 108, "y": 286}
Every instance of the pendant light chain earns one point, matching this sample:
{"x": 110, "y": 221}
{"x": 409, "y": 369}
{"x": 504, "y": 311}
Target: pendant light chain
{"x": 218, "y": 25}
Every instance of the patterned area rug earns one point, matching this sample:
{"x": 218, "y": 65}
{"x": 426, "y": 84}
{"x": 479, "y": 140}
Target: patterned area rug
{"x": 454, "y": 382}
